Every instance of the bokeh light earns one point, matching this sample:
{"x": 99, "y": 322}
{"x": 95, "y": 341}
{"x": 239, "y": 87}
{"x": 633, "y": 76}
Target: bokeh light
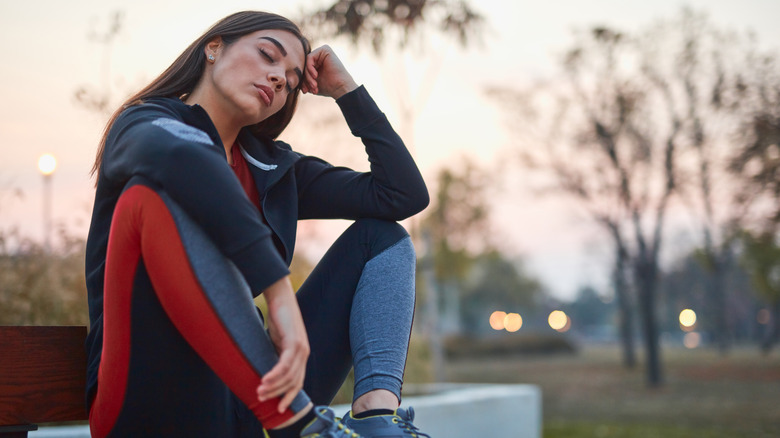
{"x": 513, "y": 322}
{"x": 47, "y": 164}
{"x": 687, "y": 319}
{"x": 692, "y": 340}
{"x": 763, "y": 316}
{"x": 559, "y": 321}
{"x": 497, "y": 320}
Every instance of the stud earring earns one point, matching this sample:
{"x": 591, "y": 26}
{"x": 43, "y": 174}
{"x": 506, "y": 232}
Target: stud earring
{"x": 211, "y": 58}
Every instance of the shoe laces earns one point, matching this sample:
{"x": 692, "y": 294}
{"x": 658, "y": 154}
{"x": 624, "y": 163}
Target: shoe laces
{"x": 408, "y": 427}
{"x": 345, "y": 431}
{"x": 336, "y": 429}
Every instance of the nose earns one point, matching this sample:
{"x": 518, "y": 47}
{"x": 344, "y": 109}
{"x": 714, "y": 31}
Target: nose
{"x": 278, "y": 80}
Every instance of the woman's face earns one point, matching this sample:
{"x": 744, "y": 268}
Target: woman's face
{"x": 252, "y": 77}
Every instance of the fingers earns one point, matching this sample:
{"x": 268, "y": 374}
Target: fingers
{"x": 310, "y": 77}
{"x": 284, "y": 380}
{"x": 329, "y": 76}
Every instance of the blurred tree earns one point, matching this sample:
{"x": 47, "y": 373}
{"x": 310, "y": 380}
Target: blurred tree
{"x": 612, "y": 145}
{"x": 622, "y": 287}
{"x": 378, "y": 21}
{"x": 403, "y": 23}
{"x": 644, "y": 118}
{"x": 761, "y": 257}
{"x": 590, "y": 313}
{"x": 453, "y": 228}
{"x": 701, "y": 69}
{"x": 756, "y": 162}
{"x": 101, "y": 99}
{"x": 458, "y": 220}
{"x": 496, "y": 283}
{"x": 684, "y": 285}
{"x": 467, "y": 266}
{"x": 463, "y": 276}
{"x": 39, "y": 287}
{"x": 724, "y": 87}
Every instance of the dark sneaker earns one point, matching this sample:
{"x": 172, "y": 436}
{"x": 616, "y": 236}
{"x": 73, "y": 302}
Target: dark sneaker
{"x": 398, "y": 425}
{"x": 326, "y": 425}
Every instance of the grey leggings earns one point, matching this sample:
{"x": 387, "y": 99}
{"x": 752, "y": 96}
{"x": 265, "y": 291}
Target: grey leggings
{"x": 358, "y": 305}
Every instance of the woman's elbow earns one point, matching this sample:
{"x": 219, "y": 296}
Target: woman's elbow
{"x": 420, "y": 202}
{"x": 413, "y": 204}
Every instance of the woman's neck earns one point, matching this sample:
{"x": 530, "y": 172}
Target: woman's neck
{"x": 226, "y": 126}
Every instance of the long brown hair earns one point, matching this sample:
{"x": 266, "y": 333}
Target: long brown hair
{"x": 183, "y": 75}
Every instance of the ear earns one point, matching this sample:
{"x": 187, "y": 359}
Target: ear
{"x": 213, "y": 47}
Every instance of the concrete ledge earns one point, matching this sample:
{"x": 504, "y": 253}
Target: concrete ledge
{"x": 441, "y": 410}
{"x": 474, "y": 410}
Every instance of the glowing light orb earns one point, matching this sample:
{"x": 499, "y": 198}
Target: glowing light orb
{"x": 687, "y": 319}
{"x": 692, "y": 340}
{"x": 513, "y": 322}
{"x": 558, "y": 320}
{"x": 497, "y": 320}
{"x": 763, "y": 317}
{"x": 47, "y": 164}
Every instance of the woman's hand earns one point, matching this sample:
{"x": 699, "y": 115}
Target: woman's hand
{"x": 325, "y": 74}
{"x": 288, "y": 334}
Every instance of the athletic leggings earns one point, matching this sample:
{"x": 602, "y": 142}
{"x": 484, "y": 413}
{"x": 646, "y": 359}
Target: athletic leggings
{"x": 184, "y": 347}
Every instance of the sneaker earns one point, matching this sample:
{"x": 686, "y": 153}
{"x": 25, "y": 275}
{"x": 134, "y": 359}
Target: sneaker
{"x": 326, "y": 425}
{"x": 398, "y": 425}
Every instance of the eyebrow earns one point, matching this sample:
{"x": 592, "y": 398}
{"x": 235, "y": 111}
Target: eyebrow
{"x": 276, "y": 43}
{"x": 283, "y": 51}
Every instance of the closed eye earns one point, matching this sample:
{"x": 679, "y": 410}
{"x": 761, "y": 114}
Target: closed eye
{"x": 266, "y": 55}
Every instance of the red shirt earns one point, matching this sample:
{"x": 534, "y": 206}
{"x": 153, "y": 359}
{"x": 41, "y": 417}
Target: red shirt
{"x": 241, "y": 169}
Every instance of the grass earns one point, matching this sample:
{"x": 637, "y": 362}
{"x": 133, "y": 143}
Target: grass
{"x": 590, "y": 394}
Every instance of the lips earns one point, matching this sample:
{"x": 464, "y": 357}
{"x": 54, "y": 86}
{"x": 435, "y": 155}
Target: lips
{"x": 266, "y": 93}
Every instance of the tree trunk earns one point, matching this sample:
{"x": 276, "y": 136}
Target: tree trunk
{"x": 717, "y": 288}
{"x": 432, "y": 329}
{"x": 646, "y": 282}
{"x": 772, "y": 329}
{"x": 625, "y": 315}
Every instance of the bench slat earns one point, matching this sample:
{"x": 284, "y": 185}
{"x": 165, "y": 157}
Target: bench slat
{"x": 42, "y": 374}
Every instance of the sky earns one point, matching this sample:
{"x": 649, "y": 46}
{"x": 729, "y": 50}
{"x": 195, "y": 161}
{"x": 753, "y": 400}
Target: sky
{"x": 47, "y": 55}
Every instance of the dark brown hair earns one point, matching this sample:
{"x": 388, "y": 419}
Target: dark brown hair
{"x": 183, "y": 75}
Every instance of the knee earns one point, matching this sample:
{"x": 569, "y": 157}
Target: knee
{"x": 379, "y": 227}
{"x": 381, "y": 234}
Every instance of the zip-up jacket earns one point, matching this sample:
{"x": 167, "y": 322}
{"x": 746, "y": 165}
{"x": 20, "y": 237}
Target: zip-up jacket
{"x": 176, "y": 147}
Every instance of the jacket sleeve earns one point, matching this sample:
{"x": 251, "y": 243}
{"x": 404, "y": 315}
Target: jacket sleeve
{"x": 393, "y": 189}
{"x": 150, "y": 141}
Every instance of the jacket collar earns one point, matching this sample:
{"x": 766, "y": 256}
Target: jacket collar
{"x": 262, "y": 153}
{"x": 193, "y": 115}
{"x": 266, "y": 155}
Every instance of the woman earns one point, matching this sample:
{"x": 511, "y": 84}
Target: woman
{"x": 195, "y": 214}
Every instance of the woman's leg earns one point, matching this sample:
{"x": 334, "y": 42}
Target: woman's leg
{"x": 181, "y": 332}
{"x": 358, "y": 305}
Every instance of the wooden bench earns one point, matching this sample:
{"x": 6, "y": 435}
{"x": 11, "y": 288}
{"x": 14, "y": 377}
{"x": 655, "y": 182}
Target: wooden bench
{"x": 42, "y": 377}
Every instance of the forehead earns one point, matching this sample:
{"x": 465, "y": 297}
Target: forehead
{"x": 288, "y": 41}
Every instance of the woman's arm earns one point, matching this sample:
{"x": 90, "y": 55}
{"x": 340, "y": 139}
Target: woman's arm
{"x": 150, "y": 140}
{"x": 288, "y": 334}
{"x": 394, "y": 188}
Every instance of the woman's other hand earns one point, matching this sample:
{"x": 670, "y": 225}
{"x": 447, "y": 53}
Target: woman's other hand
{"x": 326, "y": 75}
{"x": 288, "y": 334}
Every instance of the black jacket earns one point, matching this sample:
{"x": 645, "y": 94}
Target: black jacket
{"x": 176, "y": 147}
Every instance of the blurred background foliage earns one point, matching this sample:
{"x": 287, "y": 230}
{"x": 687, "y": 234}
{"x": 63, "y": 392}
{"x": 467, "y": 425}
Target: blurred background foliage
{"x": 39, "y": 287}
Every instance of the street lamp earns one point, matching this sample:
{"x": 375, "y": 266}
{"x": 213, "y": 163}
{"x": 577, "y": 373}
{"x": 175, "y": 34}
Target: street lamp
{"x": 47, "y": 164}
